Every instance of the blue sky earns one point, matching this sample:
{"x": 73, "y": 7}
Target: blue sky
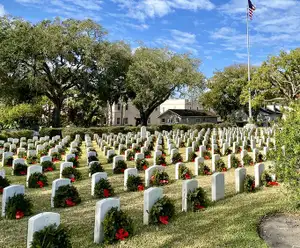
{"x": 211, "y": 30}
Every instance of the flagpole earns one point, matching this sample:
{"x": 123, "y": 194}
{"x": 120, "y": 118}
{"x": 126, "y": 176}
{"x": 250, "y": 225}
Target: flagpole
{"x": 248, "y": 51}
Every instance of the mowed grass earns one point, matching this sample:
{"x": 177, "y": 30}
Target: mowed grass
{"x": 231, "y": 222}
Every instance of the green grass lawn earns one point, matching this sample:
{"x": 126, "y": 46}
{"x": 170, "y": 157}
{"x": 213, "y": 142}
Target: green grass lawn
{"x": 231, "y": 222}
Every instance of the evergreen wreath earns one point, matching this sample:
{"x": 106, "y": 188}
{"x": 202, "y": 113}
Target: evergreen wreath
{"x": 51, "y": 236}
{"x": 137, "y": 149}
{"x": 20, "y": 169}
{"x": 121, "y": 166}
{"x": 74, "y": 161}
{"x": 37, "y": 180}
{"x": 227, "y": 151}
{"x": 111, "y": 158}
{"x": 237, "y": 149}
{"x": 17, "y": 207}
{"x": 117, "y": 226}
{"x": 48, "y": 166}
{"x": 95, "y": 167}
{"x": 134, "y": 183}
{"x": 103, "y": 189}
{"x": 217, "y": 150}
{"x": 122, "y": 150}
{"x": 196, "y": 147}
{"x": 41, "y": 153}
{"x": 161, "y": 160}
{"x": 159, "y": 178}
{"x": 129, "y": 145}
{"x": 177, "y": 158}
{"x": 116, "y": 146}
{"x": 207, "y": 155}
{"x": 4, "y": 182}
{"x": 141, "y": 164}
{"x": 181, "y": 144}
{"x": 61, "y": 151}
{"x": 66, "y": 196}
{"x": 22, "y": 155}
{"x": 259, "y": 158}
{"x": 192, "y": 156}
{"x": 92, "y": 158}
{"x": 162, "y": 211}
{"x": 249, "y": 184}
{"x": 130, "y": 156}
{"x": 71, "y": 173}
{"x": 266, "y": 179}
{"x": 8, "y": 161}
{"x": 203, "y": 169}
{"x": 197, "y": 199}
{"x": 220, "y": 166}
{"x": 56, "y": 157}
{"x": 247, "y": 160}
{"x": 32, "y": 159}
{"x": 184, "y": 172}
{"x": 147, "y": 154}
{"x": 235, "y": 162}
{"x": 13, "y": 150}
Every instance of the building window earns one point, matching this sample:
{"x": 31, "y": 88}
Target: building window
{"x": 149, "y": 120}
{"x": 163, "y": 120}
{"x": 126, "y": 107}
{"x": 119, "y": 106}
{"x": 125, "y": 121}
{"x": 118, "y": 121}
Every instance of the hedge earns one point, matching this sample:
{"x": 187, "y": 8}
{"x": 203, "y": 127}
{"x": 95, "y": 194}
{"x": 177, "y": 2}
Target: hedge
{"x": 16, "y": 134}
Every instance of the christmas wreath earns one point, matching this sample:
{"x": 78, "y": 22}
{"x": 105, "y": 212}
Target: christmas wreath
{"x": 17, "y": 207}
{"x": 184, "y": 172}
{"x": 111, "y": 158}
{"x": 259, "y": 158}
{"x": 20, "y": 169}
{"x": 130, "y": 156}
{"x": 207, "y": 155}
{"x": 32, "y": 159}
{"x": 181, "y": 144}
{"x": 203, "y": 169}
{"x": 116, "y": 146}
{"x": 227, "y": 152}
{"x": 22, "y": 155}
{"x": 103, "y": 189}
{"x": 197, "y": 199}
{"x": 220, "y": 166}
{"x": 8, "y": 161}
{"x": 122, "y": 150}
{"x": 176, "y": 158}
{"x": 37, "y": 180}
{"x": 13, "y": 150}
{"x": 235, "y": 162}
{"x": 71, "y": 173}
{"x": 48, "y": 166}
{"x": 66, "y": 196}
{"x": 129, "y": 145}
{"x": 238, "y": 149}
{"x": 121, "y": 166}
{"x": 267, "y": 180}
{"x": 92, "y": 158}
{"x": 159, "y": 178}
{"x": 51, "y": 236}
{"x": 141, "y": 164}
{"x": 247, "y": 160}
{"x": 161, "y": 160}
{"x": 162, "y": 211}
{"x": 95, "y": 167}
{"x": 137, "y": 149}
{"x": 217, "y": 150}
{"x": 61, "y": 151}
{"x": 196, "y": 147}
{"x": 249, "y": 184}
{"x": 74, "y": 161}
{"x": 41, "y": 153}
{"x": 56, "y": 157}
{"x": 134, "y": 183}
{"x": 116, "y": 226}
{"x": 147, "y": 154}
{"x": 4, "y": 182}
{"x": 192, "y": 156}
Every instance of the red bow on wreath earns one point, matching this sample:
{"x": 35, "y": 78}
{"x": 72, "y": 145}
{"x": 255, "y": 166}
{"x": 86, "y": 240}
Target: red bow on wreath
{"x": 145, "y": 167}
{"x": 41, "y": 184}
{"x": 198, "y": 206}
{"x": 122, "y": 234}
{"x": 164, "y": 219}
{"x": 273, "y": 183}
{"x": 70, "y": 202}
{"x": 140, "y": 187}
{"x": 19, "y": 215}
{"x": 187, "y": 176}
{"x": 106, "y": 193}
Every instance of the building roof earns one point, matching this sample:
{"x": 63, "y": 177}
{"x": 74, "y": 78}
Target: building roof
{"x": 270, "y": 112}
{"x": 190, "y": 113}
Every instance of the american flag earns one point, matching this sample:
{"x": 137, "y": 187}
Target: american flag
{"x": 251, "y": 9}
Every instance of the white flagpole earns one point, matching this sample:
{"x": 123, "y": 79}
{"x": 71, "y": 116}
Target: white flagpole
{"x": 248, "y": 49}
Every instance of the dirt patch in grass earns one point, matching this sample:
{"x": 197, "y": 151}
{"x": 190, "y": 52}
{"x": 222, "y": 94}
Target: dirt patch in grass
{"x": 281, "y": 231}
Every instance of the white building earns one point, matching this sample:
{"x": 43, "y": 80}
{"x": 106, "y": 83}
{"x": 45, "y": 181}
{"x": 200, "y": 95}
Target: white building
{"x": 127, "y": 114}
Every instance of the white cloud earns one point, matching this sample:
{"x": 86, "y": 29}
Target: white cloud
{"x": 136, "y": 26}
{"x": 142, "y": 10}
{"x": 2, "y": 11}
{"x": 183, "y": 37}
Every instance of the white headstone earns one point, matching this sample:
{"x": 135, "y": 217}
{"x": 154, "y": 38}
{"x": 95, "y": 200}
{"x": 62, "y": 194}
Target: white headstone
{"x": 187, "y": 151}
{"x": 139, "y": 156}
{"x": 149, "y": 172}
{"x": 10, "y": 191}
{"x": 240, "y": 174}
{"x": 218, "y": 186}
{"x": 127, "y": 173}
{"x": 116, "y": 159}
{"x": 187, "y": 187}
{"x": 198, "y": 161}
{"x": 55, "y": 185}
{"x": 64, "y": 165}
{"x": 177, "y": 170}
{"x": 215, "y": 158}
{"x": 45, "y": 158}
{"x": 96, "y": 178}
{"x": 258, "y": 170}
{"x": 151, "y": 196}
{"x": 33, "y": 169}
{"x": 69, "y": 156}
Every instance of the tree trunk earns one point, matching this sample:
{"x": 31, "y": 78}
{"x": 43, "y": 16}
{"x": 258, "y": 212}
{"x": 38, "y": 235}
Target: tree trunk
{"x": 56, "y": 113}
{"x": 144, "y": 118}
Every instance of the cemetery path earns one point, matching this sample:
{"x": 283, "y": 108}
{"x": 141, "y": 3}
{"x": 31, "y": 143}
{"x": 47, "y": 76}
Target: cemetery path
{"x": 281, "y": 231}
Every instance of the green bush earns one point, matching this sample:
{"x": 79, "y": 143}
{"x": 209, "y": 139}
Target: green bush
{"x": 16, "y": 134}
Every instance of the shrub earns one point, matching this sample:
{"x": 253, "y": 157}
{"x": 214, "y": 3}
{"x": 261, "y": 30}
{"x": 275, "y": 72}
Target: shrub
{"x": 176, "y": 158}
{"x": 17, "y": 207}
{"x": 116, "y": 226}
{"x": 197, "y": 199}
{"x": 95, "y": 167}
{"x": 66, "y": 196}
{"x": 20, "y": 169}
{"x": 159, "y": 178}
{"x": 134, "y": 183}
{"x": 120, "y": 167}
{"x": 37, "y": 180}
{"x": 71, "y": 173}
{"x": 103, "y": 189}
{"x": 184, "y": 172}
{"x": 141, "y": 164}
{"x": 51, "y": 236}
{"x": 48, "y": 166}
{"x": 162, "y": 211}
